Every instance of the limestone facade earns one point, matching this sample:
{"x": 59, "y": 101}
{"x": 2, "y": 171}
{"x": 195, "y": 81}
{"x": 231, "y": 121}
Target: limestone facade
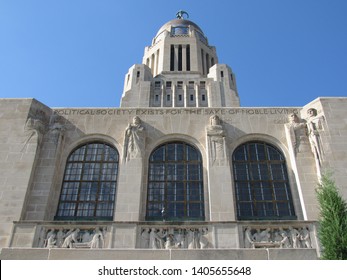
{"x": 36, "y": 142}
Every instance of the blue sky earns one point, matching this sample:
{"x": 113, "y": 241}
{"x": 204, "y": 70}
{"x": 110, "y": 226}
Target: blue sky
{"x": 75, "y": 53}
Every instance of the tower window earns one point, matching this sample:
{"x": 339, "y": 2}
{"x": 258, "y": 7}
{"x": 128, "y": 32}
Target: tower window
{"x": 203, "y": 97}
{"x": 222, "y": 74}
{"x": 191, "y": 97}
{"x": 157, "y": 84}
{"x": 180, "y": 58}
{"x": 168, "y": 85}
{"x": 128, "y": 77}
{"x": 179, "y": 85}
{"x": 157, "y": 63}
{"x": 172, "y": 58}
{"x": 203, "y": 61}
{"x": 188, "y": 57}
{"x": 152, "y": 64}
{"x": 202, "y": 85}
{"x": 179, "y": 30}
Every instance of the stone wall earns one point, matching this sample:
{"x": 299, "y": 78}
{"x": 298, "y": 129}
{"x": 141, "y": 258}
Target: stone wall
{"x": 36, "y": 141}
{"x": 18, "y": 146}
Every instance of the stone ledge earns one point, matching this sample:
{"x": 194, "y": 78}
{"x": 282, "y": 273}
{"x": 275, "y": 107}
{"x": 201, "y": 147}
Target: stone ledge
{"x": 143, "y": 254}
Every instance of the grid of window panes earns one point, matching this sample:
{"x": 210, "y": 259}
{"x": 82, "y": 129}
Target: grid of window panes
{"x": 261, "y": 183}
{"x": 175, "y": 184}
{"x": 89, "y": 185}
{"x": 179, "y": 30}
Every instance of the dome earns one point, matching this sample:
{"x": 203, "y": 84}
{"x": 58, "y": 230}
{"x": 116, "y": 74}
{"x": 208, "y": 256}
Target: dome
{"x": 183, "y": 23}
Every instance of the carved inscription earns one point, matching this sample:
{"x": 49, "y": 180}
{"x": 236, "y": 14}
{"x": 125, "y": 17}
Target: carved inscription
{"x": 183, "y": 111}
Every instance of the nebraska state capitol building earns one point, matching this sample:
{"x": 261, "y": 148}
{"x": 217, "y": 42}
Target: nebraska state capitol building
{"x": 179, "y": 171}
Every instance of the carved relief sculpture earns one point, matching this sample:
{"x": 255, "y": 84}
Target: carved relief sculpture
{"x": 192, "y": 236}
{"x": 145, "y": 237}
{"x": 164, "y": 238}
{"x": 203, "y": 242}
{"x": 294, "y": 235}
{"x": 277, "y": 237}
{"x": 72, "y": 238}
{"x": 60, "y": 237}
{"x": 248, "y": 238}
{"x": 56, "y": 131}
{"x": 216, "y": 140}
{"x": 154, "y": 239}
{"x": 134, "y": 140}
{"x": 34, "y": 127}
{"x": 314, "y": 127}
{"x": 305, "y": 238}
{"x": 97, "y": 239}
{"x": 298, "y": 133}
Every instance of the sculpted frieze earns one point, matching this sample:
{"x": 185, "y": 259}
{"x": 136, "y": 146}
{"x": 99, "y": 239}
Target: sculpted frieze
{"x": 291, "y": 237}
{"x": 174, "y": 238}
{"x": 72, "y": 238}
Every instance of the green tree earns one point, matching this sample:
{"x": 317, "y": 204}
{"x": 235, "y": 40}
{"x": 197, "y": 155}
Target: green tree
{"x": 332, "y": 231}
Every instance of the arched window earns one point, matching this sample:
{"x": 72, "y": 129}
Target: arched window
{"x": 89, "y": 184}
{"x": 175, "y": 184}
{"x": 261, "y": 183}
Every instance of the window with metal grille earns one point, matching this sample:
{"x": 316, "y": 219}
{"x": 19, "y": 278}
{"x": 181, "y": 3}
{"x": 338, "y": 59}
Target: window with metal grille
{"x": 175, "y": 183}
{"x": 89, "y": 184}
{"x": 261, "y": 183}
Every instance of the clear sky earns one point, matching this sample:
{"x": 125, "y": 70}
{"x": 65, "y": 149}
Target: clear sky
{"x": 75, "y": 53}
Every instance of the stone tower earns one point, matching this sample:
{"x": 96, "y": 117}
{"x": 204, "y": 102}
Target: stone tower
{"x": 180, "y": 69}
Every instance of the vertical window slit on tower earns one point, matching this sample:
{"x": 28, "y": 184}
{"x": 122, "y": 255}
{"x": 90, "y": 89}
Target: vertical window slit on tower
{"x": 157, "y": 63}
{"x": 188, "y": 57}
{"x": 152, "y": 64}
{"x": 202, "y": 61}
{"x": 172, "y": 58}
{"x": 180, "y": 58}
